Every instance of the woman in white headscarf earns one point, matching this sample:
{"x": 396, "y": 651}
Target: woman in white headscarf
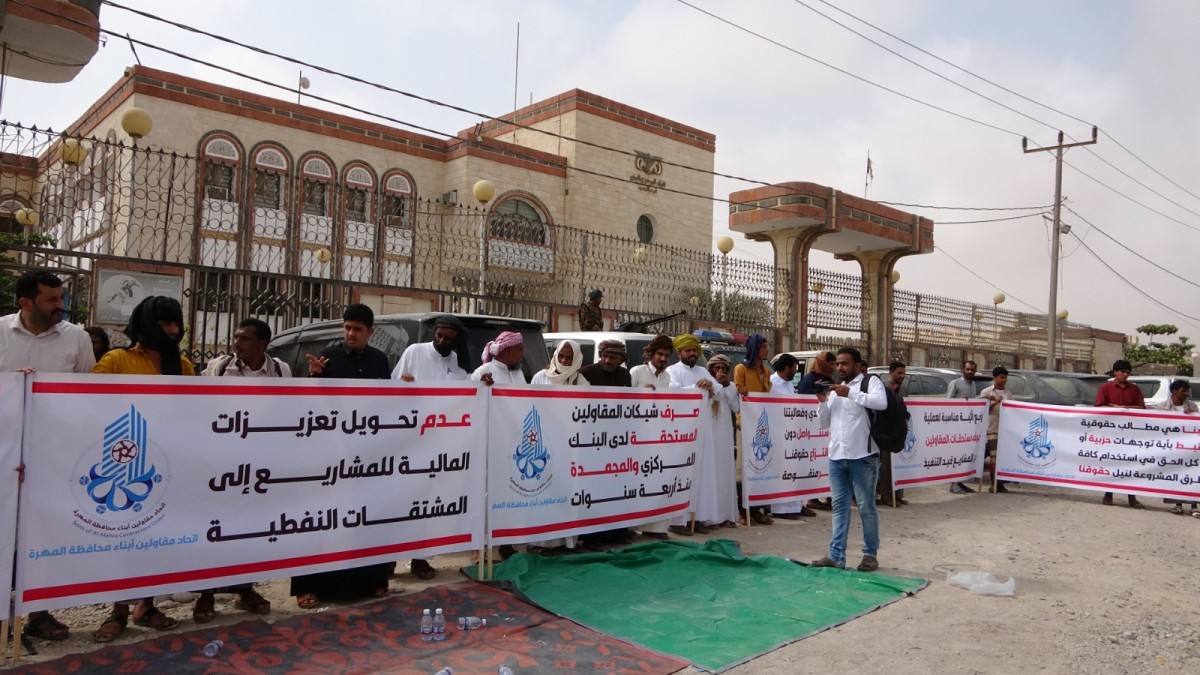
{"x": 564, "y": 366}
{"x": 563, "y": 370}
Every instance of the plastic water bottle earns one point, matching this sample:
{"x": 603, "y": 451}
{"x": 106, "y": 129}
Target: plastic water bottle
{"x": 426, "y": 626}
{"x": 439, "y": 625}
{"x": 211, "y": 649}
{"x": 471, "y": 622}
{"x": 504, "y": 670}
{"x": 445, "y": 671}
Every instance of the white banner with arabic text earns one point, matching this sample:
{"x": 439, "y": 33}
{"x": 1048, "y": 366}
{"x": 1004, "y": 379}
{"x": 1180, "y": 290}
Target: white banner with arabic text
{"x": 12, "y": 402}
{"x": 162, "y": 484}
{"x": 946, "y": 442}
{"x": 1141, "y": 452}
{"x": 573, "y": 460}
{"x": 785, "y": 454}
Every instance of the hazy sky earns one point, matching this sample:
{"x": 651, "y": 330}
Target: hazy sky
{"x": 1128, "y": 67}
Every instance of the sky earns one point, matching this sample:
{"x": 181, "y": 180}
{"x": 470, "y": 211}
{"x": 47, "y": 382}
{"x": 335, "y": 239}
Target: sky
{"x": 779, "y": 115}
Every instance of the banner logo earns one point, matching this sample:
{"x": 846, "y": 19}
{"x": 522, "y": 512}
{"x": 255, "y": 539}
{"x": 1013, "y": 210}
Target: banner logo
{"x": 910, "y": 444}
{"x": 760, "y": 444}
{"x": 120, "y": 480}
{"x": 1036, "y": 445}
{"x": 531, "y": 457}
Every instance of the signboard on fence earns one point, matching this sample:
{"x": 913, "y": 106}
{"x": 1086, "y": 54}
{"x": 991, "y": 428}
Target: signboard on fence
{"x": 785, "y": 454}
{"x": 1142, "y": 452}
{"x": 169, "y": 483}
{"x": 12, "y": 397}
{"x": 946, "y": 442}
{"x": 573, "y": 460}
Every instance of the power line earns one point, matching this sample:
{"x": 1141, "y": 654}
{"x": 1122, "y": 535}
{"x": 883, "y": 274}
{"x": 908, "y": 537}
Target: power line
{"x": 989, "y": 220}
{"x": 847, "y": 73}
{"x": 1130, "y": 250}
{"x": 975, "y": 274}
{"x": 969, "y": 208}
{"x": 1122, "y": 194}
{"x": 1147, "y": 165}
{"x": 1135, "y": 287}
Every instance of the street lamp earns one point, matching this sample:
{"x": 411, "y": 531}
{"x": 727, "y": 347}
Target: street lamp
{"x": 137, "y": 124}
{"x": 483, "y": 192}
{"x": 817, "y": 288}
{"x": 724, "y": 245}
{"x": 640, "y": 255}
{"x": 997, "y": 300}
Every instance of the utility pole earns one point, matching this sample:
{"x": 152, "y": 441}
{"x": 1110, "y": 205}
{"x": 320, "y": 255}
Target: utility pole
{"x": 1052, "y": 310}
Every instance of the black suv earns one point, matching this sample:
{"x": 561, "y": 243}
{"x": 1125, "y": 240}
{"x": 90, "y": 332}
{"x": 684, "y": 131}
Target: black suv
{"x": 395, "y": 332}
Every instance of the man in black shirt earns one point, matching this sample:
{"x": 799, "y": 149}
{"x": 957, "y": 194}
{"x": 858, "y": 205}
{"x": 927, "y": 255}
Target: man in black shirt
{"x": 351, "y": 358}
{"x": 608, "y": 372}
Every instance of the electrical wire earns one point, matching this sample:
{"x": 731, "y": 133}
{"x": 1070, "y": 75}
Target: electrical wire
{"x": 1130, "y": 250}
{"x": 969, "y": 208}
{"x": 1135, "y": 287}
{"x": 989, "y": 220}
{"x": 1122, "y": 194}
{"x": 1147, "y": 165}
{"x": 975, "y": 274}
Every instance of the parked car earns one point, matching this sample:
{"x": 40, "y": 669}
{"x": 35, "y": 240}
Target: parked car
{"x": 635, "y": 343}
{"x": 395, "y": 332}
{"x": 1055, "y": 388}
{"x": 923, "y": 381}
{"x": 1156, "y": 388}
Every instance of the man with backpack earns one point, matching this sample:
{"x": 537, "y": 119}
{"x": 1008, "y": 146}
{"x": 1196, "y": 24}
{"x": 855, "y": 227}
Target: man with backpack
{"x": 853, "y": 456}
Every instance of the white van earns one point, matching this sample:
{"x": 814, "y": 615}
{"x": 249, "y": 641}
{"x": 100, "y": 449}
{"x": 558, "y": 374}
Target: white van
{"x": 635, "y": 343}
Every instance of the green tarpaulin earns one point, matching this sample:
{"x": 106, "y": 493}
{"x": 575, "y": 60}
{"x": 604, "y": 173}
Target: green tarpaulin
{"x": 706, "y": 603}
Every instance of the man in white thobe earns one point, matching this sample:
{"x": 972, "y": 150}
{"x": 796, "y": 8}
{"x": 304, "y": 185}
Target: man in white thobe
{"x": 727, "y": 404}
{"x": 686, "y": 374}
{"x": 502, "y": 360}
{"x": 653, "y": 375}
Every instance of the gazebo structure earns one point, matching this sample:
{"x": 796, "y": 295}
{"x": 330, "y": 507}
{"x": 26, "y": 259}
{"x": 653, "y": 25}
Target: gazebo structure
{"x": 797, "y": 217}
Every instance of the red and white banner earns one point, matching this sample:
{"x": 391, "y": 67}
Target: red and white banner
{"x": 165, "y": 484}
{"x": 946, "y": 442}
{"x": 785, "y": 454}
{"x": 1142, "y": 452}
{"x": 572, "y": 460}
{"x": 12, "y": 400}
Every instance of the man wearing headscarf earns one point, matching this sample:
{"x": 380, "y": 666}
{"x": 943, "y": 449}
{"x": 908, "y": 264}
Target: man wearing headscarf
{"x": 652, "y": 374}
{"x": 155, "y": 330}
{"x": 563, "y": 371}
{"x": 590, "y": 317}
{"x": 724, "y": 475}
{"x": 686, "y": 374}
{"x": 502, "y": 360}
{"x": 564, "y": 366}
{"x": 439, "y": 360}
{"x": 753, "y": 376}
{"x": 608, "y": 372}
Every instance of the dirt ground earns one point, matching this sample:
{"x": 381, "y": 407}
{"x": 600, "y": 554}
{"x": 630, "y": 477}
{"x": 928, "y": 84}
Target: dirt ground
{"x": 1099, "y": 589}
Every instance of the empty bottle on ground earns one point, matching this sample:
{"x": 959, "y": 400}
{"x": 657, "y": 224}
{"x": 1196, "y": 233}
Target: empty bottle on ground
{"x": 211, "y": 649}
{"x": 471, "y": 622}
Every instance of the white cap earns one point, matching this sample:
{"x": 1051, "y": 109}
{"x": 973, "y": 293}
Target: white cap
{"x": 483, "y": 622}
{"x": 425, "y": 612}
{"x": 438, "y": 611}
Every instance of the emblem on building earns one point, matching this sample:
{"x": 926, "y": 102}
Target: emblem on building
{"x": 648, "y": 167}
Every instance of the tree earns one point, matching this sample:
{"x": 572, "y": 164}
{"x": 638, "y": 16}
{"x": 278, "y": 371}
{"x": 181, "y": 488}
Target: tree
{"x": 8, "y": 273}
{"x": 1178, "y": 354}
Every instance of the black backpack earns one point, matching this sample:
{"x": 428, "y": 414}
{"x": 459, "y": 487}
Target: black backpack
{"x": 889, "y": 427}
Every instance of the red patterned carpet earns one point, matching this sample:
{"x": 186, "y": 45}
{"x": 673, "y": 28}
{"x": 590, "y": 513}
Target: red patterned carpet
{"x": 383, "y": 637}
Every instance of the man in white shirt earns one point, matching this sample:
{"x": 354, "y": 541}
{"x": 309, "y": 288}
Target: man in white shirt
{"x": 963, "y": 387}
{"x": 785, "y": 368}
{"x": 437, "y": 360}
{"x": 653, "y": 375}
{"x": 685, "y": 374}
{"x": 853, "y": 457}
{"x": 717, "y": 503}
{"x": 502, "y": 360}
{"x": 249, "y": 357}
{"x": 36, "y": 338}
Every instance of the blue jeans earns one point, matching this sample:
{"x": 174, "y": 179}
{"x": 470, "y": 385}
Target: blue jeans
{"x": 857, "y": 475}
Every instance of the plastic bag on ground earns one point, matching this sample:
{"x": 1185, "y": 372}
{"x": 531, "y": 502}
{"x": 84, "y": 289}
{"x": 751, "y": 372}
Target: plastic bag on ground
{"x": 982, "y": 583}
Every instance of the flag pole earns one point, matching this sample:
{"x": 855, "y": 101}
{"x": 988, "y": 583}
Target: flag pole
{"x": 869, "y": 176}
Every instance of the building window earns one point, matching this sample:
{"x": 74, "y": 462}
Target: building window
{"x": 356, "y": 205}
{"x": 518, "y": 220}
{"x": 218, "y": 182}
{"x": 397, "y": 197}
{"x": 645, "y": 229}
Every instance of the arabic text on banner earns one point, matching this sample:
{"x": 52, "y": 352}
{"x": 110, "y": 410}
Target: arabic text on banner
{"x": 945, "y": 444}
{"x": 573, "y": 460}
{"x": 785, "y": 453}
{"x": 1141, "y": 452}
{"x": 12, "y": 397}
{"x": 166, "y": 484}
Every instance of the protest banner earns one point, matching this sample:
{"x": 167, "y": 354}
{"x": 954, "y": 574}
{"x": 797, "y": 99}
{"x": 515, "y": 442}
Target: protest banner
{"x": 946, "y": 443}
{"x": 166, "y": 484}
{"x": 1141, "y": 452}
{"x": 785, "y": 454}
{"x": 12, "y": 398}
{"x": 572, "y": 460}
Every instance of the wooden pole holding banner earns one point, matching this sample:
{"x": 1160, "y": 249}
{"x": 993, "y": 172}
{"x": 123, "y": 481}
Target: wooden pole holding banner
{"x": 16, "y": 631}
{"x": 4, "y": 636}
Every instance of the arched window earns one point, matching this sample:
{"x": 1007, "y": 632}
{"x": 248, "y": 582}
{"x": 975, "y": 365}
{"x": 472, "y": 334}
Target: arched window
{"x": 397, "y": 200}
{"x": 270, "y": 168}
{"x": 221, "y": 158}
{"x": 8, "y": 216}
{"x": 359, "y": 184}
{"x": 516, "y": 219}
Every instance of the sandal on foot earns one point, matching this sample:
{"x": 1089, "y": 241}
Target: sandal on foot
{"x": 421, "y": 569}
{"x": 382, "y": 592}
{"x": 112, "y": 628}
{"x": 308, "y": 600}
{"x": 1178, "y": 510}
{"x": 205, "y": 609}
{"x": 1195, "y": 513}
{"x": 869, "y": 564}
{"x": 1135, "y": 504}
{"x": 251, "y": 601}
{"x": 154, "y": 618}
{"x": 43, "y": 625}
{"x": 827, "y": 562}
